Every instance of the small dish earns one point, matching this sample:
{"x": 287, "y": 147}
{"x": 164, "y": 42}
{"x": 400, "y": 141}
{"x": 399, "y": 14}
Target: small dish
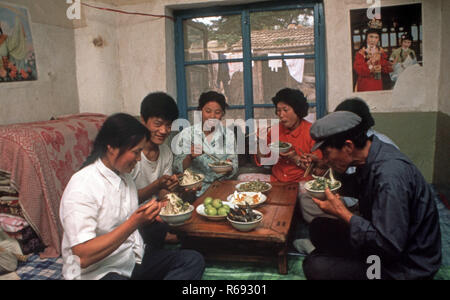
{"x": 247, "y": 226}
{"x": 252, "y": 198}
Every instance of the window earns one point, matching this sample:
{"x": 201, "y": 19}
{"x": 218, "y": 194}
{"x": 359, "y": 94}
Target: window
{"x": 248, "y": 53}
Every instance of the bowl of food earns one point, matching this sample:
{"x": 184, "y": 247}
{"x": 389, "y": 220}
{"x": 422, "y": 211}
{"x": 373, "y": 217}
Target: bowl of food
{"x": 221, "y": 167}
{"x": 253, "y": 186}
{"x": 190, "y": 180}
{"x": 243, "y": 198}
{"x": 316, "y": 187}
{"x": 244, "y": 218}
{"x": 280, "y": 147}
{"x": 176, "y": 212}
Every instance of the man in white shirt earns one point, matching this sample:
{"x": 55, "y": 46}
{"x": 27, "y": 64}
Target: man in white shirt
{"x": 153, "y": 173}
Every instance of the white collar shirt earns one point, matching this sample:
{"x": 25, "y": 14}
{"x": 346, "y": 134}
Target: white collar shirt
{"x": 95, "y": 202}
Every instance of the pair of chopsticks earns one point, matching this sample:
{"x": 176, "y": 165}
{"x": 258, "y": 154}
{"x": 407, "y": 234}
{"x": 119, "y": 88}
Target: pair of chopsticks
{"x": 310, "y": 166}
{"x": 212, "y": 156}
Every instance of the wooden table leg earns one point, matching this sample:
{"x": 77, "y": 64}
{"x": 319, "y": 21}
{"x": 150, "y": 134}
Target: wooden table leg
{"x": 282, "y": 261}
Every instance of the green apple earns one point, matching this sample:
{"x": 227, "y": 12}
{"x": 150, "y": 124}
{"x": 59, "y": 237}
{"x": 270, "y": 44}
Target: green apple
{"x": 207, "y": 201}
{"x": 211, "y": 211}
{"x": 222, "y": 211}
{"x": 217, "y": 203}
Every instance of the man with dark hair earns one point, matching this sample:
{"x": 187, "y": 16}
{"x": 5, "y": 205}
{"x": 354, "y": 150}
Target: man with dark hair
{"x": 153, "y": 173}
{"x": 398, "y": 222}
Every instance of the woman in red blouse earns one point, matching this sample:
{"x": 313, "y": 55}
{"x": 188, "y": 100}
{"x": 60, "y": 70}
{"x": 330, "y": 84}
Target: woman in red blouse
{"x": 370, "y": 61}
{"x": 291, "y": 108}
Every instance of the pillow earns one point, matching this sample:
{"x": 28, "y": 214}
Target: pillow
{"x": 10, "y": 223}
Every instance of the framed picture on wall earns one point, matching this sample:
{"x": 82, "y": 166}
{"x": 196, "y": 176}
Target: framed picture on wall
{"x": 384, "y": 45}
{"x": 17, "y": 57}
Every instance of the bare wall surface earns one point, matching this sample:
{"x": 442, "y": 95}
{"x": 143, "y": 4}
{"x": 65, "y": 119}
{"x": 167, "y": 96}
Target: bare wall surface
{"x": 444, "y": 91}
{"x": 414, "y": 133}
{"x": 97, "y": 58}
{"x": 55, "y": 92}
{"x": 442, "y": 156}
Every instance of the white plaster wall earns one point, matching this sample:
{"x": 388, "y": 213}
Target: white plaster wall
{"x": 418, "y": 88}
{"x": 142, "y": 51}
{"x": 55, "y": 92}
{"x": 444, "y": 92}
{"x": 147, "y": 49}
{"x": 98, "y": 68}
{"x": 143, "y": 61}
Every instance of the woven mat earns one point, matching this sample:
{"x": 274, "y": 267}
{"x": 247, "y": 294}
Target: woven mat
{"x": 40, "y": 269}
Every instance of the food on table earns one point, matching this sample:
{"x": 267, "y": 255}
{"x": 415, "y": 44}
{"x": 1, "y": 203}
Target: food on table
{"x": 215, "y": 207}
{"x": 254, "y": 186}
{"x": 208, "y": 200}
{"x": 244, "y": 198}
{"x": 175, "y": 205}
{"x": 189, "y": 177}
{"x": 243, "y": 214}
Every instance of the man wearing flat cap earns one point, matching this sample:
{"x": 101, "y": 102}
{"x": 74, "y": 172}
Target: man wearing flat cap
{"x": 398, "y": 225}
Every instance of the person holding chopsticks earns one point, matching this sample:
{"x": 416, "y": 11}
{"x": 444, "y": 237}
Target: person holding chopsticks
{"x": 206, "y": 142}
{"x": 100, "y": 216}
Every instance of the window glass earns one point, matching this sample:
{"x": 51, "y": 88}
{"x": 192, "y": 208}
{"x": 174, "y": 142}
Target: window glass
{"x": 226, "y": 78}
{"x": 208, "y": 37}
{"x": 270, "y": 76}
{"x": 285, "y": 31}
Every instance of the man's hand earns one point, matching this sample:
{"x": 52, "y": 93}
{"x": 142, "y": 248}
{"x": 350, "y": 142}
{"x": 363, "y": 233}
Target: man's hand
{"x": 168, "y": 182}
{"x": 334, "y": 206}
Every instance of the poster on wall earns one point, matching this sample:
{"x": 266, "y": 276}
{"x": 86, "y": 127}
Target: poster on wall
{"x": 17, "y": 57}
{"x": 384, "y": 44}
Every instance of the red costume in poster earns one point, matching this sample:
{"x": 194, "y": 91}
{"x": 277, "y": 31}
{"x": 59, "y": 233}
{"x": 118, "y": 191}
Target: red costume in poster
{"x": 368, "y": 65}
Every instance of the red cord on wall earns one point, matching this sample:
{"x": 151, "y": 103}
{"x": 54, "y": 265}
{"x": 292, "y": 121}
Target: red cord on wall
{"x": 128, "y": 13}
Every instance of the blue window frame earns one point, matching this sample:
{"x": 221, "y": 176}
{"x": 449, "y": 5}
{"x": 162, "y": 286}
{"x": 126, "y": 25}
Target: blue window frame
{"x": 238, "y": 50}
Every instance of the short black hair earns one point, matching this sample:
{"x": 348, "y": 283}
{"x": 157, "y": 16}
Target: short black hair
{"x": 406, "y": 37}
{"x": 120, "y": 131}
{"x": 160, "y": 105}
{"x": 358, "y": 106}
{"x": 295, "y": 99}
{"x": 212, "y": 96}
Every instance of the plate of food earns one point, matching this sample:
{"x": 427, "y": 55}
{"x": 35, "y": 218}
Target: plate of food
{"x": 176, "y": 211}
{"x": 190, "y": 179}
{"x": 243, "y": 198}
{"x": 280, "y": 147}
{"x": 214, "y": 209}
{"x": 253, "y": 186}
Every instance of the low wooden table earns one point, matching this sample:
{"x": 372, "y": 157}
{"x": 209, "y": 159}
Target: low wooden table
{"x": 218, "y": 240}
